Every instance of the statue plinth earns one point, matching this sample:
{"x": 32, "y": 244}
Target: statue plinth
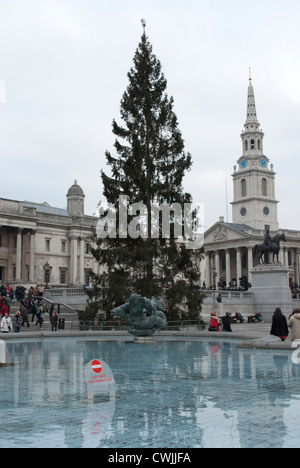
{"x": 270, "y": 288}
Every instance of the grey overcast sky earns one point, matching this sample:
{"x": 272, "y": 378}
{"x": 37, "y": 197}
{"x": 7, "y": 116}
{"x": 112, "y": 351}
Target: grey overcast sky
{"x": 64, "y": 64}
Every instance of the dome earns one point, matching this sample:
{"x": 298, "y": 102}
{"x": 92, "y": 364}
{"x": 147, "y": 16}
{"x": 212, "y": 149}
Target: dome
{"x": 75, "y": 190}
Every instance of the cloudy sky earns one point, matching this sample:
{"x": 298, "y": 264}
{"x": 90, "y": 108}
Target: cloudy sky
{"x": 64, "y": 65}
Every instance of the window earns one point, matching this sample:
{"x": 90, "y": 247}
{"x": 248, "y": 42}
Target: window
{"x": 63, "y": 246}
{"x": 62, "y": 276}
{"x": 264, "y": 187}
{"x": 246, "y": 145}
{"x": 244, "y": 187}
{"x": 88, "y": 249}
{"x": 252, "y": 144}
{"x": 47, "y": 245}
{"x": 87, "y": 277}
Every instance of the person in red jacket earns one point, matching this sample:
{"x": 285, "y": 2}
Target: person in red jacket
{"x": 4, "y": 309}
{"x": 214, "y": 322}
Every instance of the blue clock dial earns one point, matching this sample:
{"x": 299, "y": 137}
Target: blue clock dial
{"x": 243, "y": 163}
{"x": 263, "y": 162}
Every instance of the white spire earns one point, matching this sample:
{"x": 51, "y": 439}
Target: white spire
{"x": 251, "y": 107}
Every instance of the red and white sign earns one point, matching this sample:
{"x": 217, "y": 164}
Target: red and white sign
{"x": 96, "y": 366}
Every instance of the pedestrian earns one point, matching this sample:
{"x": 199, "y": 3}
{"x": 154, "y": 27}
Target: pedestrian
{"x": 226, "y": 320}
{"x": 279, "y": 325}
{"x": 40, "y": 316}
{"x": 24, "y": 315}
{"x": 294, "y": 324}
{"x": 54, "y": 321}
{"x": 33, "y": 310}
{"x": 51, "y": 311}
{"x": 6, "y": 325}
{"x": 4, "y": 309}
{"x": 214, "y": 325}
{"x": 17, "y": 322}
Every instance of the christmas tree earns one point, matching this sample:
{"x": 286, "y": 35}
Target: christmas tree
{"x": 146, "y": 171}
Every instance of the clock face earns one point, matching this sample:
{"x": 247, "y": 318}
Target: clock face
{"x": 266, "y": 211}
{"x": 243, "y": 163}
{"x": 263, "y": 162}
{"x": 243, "y": 212}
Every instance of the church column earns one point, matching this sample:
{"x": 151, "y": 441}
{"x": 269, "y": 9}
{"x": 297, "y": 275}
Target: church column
{"x": 238, "y": 266}
{"x": 207, "y": 274}
{"x": 286, "y": 257}
{"x": 32, "y": 257}
{"x": 217, "y": 268}
{"x": 228, "y": 268}
{"x": 250, "y": 264}
{"x": 19, "y": 256}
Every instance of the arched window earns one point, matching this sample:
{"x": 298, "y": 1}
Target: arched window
{"x": 252, "y": 144}
{"x": 258, "y": 144}
{"x": 264, "y": 186}
{"x": 244, "y": 187}
{"x": 246, "y": 145}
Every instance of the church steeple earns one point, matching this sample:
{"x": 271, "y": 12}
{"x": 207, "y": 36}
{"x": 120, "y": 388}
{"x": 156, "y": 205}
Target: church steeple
{"x": 251, "y": 107}
{"x": 252, "y": 136}
{"x": 254, "y": 201}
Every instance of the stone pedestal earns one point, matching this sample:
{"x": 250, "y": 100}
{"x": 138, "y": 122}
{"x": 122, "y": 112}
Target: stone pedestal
{"x": 270, "y": 288}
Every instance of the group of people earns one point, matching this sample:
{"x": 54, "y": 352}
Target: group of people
{"x": 29, "y": 306}
{"x": 280, "y": 325}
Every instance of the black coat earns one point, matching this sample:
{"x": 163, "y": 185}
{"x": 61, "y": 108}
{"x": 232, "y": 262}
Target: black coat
{"x": 279, "y": 326}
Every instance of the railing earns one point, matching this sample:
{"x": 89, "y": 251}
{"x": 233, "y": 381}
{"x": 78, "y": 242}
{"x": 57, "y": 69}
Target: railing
{"x": 66, "y": 296}
{"x": 231, "y": 296}
{"x": 116, "y": 325}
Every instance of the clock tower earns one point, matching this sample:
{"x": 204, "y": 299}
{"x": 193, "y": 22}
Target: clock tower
{"x": 254, "y": 202}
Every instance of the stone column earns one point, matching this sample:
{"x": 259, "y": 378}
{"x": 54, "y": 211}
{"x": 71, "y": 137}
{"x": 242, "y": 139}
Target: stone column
{"x": 81, "y": 261}
{"x": 238, "y": 267}
{"x": 250, "y": 264}
{"x": 32, "y": 257}
{"x": 228, "y": 268}
{"x": 217, "y": 266}
{"x": 207, "y": 270}
{"x": 19, "y": 256}
{"x": 74, "y": 260}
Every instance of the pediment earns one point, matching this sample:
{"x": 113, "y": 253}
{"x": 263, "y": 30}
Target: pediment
{"x": 224, "y": 232}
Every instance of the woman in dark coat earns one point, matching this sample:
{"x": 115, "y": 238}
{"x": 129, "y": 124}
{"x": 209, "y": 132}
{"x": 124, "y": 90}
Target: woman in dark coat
{"x": 279, "y": 325}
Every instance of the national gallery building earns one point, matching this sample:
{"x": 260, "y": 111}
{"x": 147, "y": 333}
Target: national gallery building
{"x": 40, "y": 244}
{"x": 230, "y": 252}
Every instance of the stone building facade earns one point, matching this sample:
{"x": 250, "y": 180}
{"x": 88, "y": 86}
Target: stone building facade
{"x": 41, "y": 244}
{"x": 230, "y": 252}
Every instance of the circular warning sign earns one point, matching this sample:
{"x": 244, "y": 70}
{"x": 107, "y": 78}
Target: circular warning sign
{"x": 96, "y": 366}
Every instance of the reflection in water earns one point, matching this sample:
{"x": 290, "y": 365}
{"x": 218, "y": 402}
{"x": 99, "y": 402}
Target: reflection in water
{"x": 166, "y": 394}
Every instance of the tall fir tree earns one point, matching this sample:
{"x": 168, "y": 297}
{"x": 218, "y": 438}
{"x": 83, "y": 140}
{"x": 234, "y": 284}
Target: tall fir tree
{"x": 148, "y": 168}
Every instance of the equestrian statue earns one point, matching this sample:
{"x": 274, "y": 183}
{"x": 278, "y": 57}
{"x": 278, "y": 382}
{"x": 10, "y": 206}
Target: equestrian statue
{"x": 269, "y": 246}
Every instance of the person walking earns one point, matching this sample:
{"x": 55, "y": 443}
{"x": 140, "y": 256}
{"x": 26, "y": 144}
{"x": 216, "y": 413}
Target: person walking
{"x": 24, "y": 315}
{"x": 40, "y": 316}
{"x": 17, "y": 322}
{"x": 54, "y": 321}
{"x": 294, "y": 324}
{"x": 279, "y": 325}
{"x": 6, "y": 325}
